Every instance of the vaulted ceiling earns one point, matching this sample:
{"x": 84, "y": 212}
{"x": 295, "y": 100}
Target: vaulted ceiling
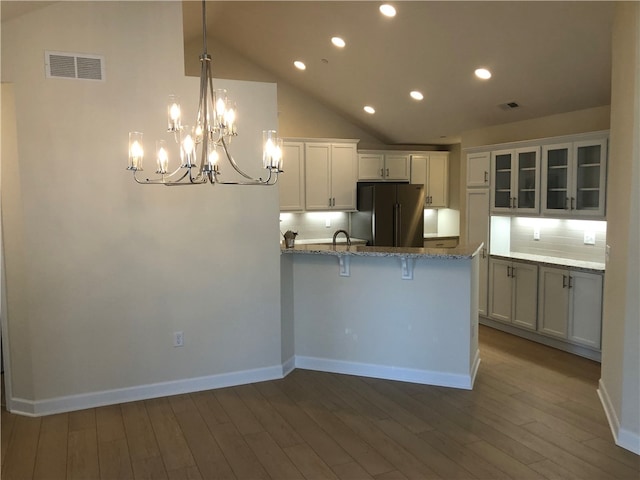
{"x": 548, "y": 57}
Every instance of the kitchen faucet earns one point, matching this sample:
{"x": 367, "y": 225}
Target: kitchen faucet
{"x": 345, "y": 234}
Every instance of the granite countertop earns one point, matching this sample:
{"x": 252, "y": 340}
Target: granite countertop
{"x": 459, "y": 252}
{"x": 555, "y": 261}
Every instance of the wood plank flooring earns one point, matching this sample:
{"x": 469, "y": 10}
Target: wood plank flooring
{"x": 533, "y": 414}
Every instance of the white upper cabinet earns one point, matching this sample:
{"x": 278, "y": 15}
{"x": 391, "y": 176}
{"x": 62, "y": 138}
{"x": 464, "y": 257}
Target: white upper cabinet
{"x": 330, "y": 176}
{"x": 515, "y": 180}
{"x": 574, "y": 178}
{"x": 291, "y": 181}
{"x": 478, "y": 168}
{"x": 383, "y": 166}
{"x": 432, "y": 170}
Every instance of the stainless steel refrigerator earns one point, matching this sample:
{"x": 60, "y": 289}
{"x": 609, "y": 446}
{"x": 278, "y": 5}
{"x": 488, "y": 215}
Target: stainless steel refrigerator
{"x": 390, "y": 214}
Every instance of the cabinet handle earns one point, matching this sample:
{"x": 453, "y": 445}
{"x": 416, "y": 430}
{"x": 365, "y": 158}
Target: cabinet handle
{"x": 484, "y": 252}
{"x": 486, "y": 176}
{"x": 564, "y": 281}
{"x": 513, "y": 272}
{"x": 573, "y": 203}
{"x": 387, "y": 172}
{"x": 570, "y": 284}
{"x": 382, "y": 172}
{"x": 508, "y": 271}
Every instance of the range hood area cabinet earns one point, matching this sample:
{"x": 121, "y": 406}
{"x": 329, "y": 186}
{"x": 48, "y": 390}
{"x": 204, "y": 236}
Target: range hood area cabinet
{"x": 379, "y": 166}
{"x": 319, "y": 175}
{"x": 432, "y": 170}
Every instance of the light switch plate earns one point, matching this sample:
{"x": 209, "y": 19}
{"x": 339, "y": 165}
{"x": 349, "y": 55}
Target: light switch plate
{"x": 536, "y": 233}
{"x": 589, "y": 238}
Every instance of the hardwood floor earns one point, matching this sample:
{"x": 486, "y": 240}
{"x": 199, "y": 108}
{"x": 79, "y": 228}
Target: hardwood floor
{"x": 534, "y": 413}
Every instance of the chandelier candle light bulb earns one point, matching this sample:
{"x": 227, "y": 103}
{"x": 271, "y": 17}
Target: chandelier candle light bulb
{"x": 136, "y": 151}
{"x": 214, "y": 127}
{"x": 174, "y": 114}
{"x": 162, "y": 156}
{"x": 272, "y": 153}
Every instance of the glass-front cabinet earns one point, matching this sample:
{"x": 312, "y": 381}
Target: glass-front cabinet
{"x": 573, "y": 178}
{"x": 515, "y": 179}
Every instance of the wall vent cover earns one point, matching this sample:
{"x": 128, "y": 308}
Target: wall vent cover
{"x": 80, "y": 66}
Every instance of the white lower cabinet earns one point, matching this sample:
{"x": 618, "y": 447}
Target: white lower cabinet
{"x": 513, "y": 292}
{"x": 570, "y": 305}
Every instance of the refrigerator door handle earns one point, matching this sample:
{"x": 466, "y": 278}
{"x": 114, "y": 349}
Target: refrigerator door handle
{"x": 396, "y": 224}
{"x": 399, "y": 226}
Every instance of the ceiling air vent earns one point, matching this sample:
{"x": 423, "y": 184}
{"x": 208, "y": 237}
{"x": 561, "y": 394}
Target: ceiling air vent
{"x": 509, "y": 106}
{"x": 81, "y": 66}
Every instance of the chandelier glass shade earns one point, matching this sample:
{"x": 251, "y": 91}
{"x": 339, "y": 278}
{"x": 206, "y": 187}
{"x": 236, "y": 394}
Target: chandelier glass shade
{"x": 202, "y": 145}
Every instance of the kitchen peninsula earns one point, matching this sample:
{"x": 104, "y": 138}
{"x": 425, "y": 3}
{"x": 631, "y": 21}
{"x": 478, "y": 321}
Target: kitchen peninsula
{"x": 408, "y": 314}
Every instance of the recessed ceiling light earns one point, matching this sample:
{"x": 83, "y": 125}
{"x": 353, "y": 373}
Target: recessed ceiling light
{"x": 299, "y": 65}
{"x": 369, "y": 109}
{"x": 483, "y": 73}
{"x": 416, "y": 95}
{"x": 338, "y": 42}
{"x": 387, "y": 10}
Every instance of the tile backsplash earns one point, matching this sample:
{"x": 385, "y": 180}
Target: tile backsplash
{"x": 314, "y": 225}
{"x": 561, "y": 238}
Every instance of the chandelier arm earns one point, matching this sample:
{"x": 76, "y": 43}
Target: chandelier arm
{"x": 258, "y": 182}
{"x": 235, "y": 165}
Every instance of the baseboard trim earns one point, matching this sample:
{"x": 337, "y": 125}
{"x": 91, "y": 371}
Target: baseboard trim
{"x": 426, "y": 377}
{"x": 585, "y": 352}
{"x": 143, "y": 392}
{"x": 289, "y": 366}
{"x": 623, "y": 437}
{"x": 474, "y": 368}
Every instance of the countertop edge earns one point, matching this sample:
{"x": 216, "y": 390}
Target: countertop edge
{"x": 577, "y": 265}
{"x": 456, "y": 253}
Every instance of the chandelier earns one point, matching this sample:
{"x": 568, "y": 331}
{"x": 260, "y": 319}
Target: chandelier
{"x": 209, "y": 139}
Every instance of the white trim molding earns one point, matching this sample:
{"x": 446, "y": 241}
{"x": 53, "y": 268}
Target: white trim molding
{"x": 70, "y": 403}
{"x": 454, "y": 380}
{"x": 623, "y": 437}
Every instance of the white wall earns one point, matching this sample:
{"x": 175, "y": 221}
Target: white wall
{"x": 620, "y": 382}
{"x": 101, "y": 271}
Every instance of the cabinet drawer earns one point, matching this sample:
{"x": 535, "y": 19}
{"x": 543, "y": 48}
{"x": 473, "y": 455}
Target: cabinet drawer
{"x": 441, "y": 243}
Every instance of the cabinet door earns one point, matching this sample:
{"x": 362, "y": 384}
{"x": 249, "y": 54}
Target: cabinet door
{"x": 291, "y": 181}
{"x": 419, "y": 173}
{"x": 553, "y": 302}
{"x": 438, "y": 180}
{"x": 525, "y": 294}
{"x": 478, "y": 231}
{"x": 343, "y": 176}
{"x": 526, "y": 186}
{"x": 501, "y": 178}
{"x": 500, "y": 290}
{"x": 585, "y": 320}
{"x": 317, "y": 176}
{"x": 556, "y": 178}
{"x": 371, "y": 166}
{"x": 589, "y": 178}
{"x": 478, "y": 167}
{"x": 396, "y": 167}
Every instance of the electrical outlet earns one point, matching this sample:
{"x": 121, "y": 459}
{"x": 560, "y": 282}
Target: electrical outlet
{"x": 589, "y": 238}
{"x": 536, "y": 233}
{"x": 178, "y": 339}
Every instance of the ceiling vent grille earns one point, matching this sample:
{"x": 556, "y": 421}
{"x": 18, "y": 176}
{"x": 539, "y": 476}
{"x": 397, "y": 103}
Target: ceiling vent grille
{"x": 509, "y": 106}
{"x": 80, "y": 66}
